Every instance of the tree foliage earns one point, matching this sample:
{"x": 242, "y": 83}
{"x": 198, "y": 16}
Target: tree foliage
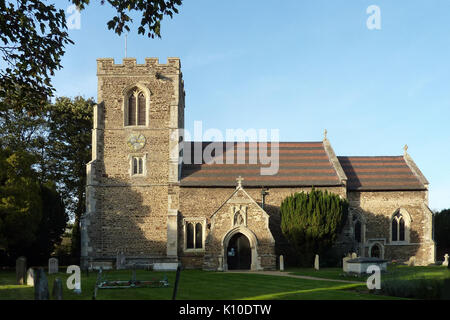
{"x": 33, "y": 36}
{"x": 152, "y": 11}
{"x": 442, "y": 229}
{"x": 32, "y": 39}
{"x": 51, "y": 227}
{"x": 68, "y": 152}
{"x": 311, "y": 222}
{"x": 20, "y": 201}
{"x": 50, "y": 149}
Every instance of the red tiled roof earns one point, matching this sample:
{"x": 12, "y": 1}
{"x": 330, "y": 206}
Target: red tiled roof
{"x": 379, "y": 173}
{"x": 300, "y": 164}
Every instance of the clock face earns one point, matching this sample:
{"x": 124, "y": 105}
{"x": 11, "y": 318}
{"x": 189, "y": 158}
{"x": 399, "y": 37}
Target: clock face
{"x": 136, "y": 141}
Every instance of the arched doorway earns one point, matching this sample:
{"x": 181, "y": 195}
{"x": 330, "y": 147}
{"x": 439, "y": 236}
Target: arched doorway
{"x": 239, "y": 255}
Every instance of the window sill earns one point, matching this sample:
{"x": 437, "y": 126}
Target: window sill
{"x": 399, "y": 243}
{"x": 194, "y": 250}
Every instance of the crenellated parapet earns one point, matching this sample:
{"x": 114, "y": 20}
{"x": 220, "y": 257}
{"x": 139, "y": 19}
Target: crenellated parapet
{"x": 129, "y": 66}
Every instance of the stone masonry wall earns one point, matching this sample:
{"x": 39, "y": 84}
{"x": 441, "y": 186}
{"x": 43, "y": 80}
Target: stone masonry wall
{"x": 378, "y": 208}
{"x": 203, "y": 202}
{"x": 126, "y": 212}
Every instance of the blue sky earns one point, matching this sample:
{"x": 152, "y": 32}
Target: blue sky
{"x": 301, "y": 67}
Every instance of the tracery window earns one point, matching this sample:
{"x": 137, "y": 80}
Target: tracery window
{"x": 194, "y": 235}
{"x": 398, "y": 227}
{"x": 136, "y": 109}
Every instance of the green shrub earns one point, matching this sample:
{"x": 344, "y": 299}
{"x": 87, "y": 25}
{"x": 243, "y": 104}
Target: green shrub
{"x": 425, "y": 289}
{"x": 311, "y": 222}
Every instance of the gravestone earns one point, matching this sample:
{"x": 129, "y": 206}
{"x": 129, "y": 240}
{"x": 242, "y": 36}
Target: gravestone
{"x": 220, "y": 268}
{"x": 30, "y": 277}
{"x": 411, "y": 262}
{"x": 281, "y": 263}
{"x": 445, "y": 263}
{"x": 354, "y": 255}
{"x": 120, "y": 260}
{"x": 316, "y": 262}
{"x": 21, "y": 270}
{"x": 52, "y": 266}
{"x": 57, "y": 291}
{"x": 345, "y": 264}
{"x": 40, "y": 285}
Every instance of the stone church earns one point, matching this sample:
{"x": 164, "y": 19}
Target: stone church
{"x": 150, "y": 201}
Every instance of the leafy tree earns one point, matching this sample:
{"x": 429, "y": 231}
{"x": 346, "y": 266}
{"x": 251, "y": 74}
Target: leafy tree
{"x": 442, "y": 229}
{"x": 20, "y": 201}
{"x": 68, "y": 151}
{"x": 33, "y": 36}
{"x": 311, "y": 222}
{"x": 51, "y": 227}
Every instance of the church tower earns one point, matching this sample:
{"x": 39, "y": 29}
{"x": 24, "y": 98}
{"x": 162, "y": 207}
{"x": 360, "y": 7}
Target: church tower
{"x": 132, "y": 191}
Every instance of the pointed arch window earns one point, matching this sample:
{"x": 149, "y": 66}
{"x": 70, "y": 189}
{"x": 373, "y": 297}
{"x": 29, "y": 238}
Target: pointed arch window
{"x": 136, "y": 109}
{"x": 358, "y": 227}
{"x": 398, "y": 227}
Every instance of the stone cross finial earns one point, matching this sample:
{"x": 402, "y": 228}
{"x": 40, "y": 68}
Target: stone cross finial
{"x": 239, "y": 181}
{"x": 325, "y": 134}
{"x": 405, "y": 148}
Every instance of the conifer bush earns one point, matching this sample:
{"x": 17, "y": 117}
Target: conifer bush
{"x": 311, "y": 222}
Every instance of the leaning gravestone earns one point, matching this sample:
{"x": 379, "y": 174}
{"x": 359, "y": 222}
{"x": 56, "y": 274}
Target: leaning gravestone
{"x": 316, "y": 262}
{"x": 281, "y": 263}
{"x": 21, "y": 270}
{"x": 445, "y": 263}
{"x": 40, "y": 285}
{"x": 57, "y": 291}
{"x": 52, "y": 266}
{"x": 30, "y": 277}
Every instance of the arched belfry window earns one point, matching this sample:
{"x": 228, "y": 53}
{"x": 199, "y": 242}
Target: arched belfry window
{"x": 136, "y": 108}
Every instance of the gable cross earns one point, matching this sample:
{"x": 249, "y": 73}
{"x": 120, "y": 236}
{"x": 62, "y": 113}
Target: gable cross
{"x": 239, "y": 181}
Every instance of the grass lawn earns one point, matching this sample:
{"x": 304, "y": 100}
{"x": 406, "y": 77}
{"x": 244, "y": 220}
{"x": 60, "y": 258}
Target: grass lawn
{"x": 400, "y": 272}
{"x": 200, "y": 285}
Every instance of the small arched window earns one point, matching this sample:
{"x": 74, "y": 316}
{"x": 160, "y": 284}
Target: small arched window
{"x": 137, "y": 108}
